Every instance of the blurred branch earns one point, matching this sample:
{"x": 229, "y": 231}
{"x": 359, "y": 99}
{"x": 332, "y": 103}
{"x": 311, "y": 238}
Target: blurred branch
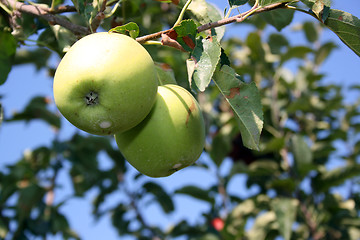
{"x": 99, "y": 17}
{"x": 46, "y": 14}
{"x": 315, "y": 232}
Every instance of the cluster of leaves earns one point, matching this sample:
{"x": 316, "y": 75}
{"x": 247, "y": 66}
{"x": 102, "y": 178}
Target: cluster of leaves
{"x": 276, "y": 126}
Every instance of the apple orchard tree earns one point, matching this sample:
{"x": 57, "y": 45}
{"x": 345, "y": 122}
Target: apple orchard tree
{"x": 273, "y": 123}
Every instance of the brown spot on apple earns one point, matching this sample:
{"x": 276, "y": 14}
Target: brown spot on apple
{"x": 233, "y": 92}
{"x": 190, "y": 109}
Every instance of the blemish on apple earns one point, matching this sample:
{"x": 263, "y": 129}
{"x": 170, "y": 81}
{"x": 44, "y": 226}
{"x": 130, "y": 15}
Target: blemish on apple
{"x": 177, "y": 166}
{"x": 105, "y": 124}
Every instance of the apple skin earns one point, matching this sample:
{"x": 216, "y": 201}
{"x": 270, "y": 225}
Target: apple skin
{"x": 170, "y": 138}
{"x": 105, "y": 83}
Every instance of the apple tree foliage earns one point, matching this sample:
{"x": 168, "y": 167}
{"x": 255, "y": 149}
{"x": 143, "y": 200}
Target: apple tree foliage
{"x": 275, "y": 124}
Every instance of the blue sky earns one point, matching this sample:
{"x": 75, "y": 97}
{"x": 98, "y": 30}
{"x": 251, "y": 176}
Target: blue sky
{"x": 25, "y": 82}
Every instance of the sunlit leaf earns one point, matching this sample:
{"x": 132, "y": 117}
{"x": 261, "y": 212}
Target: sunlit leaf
{"x": 131, "y": 29}
{"x": 165, "y": 74}
{"x": 64, "y": 37}
{"x": 205, "y": 12}
{"x": 206, "y": 56}
{"x": 262, "y": 225}
{"x": 285, "y": 210}
{"x": 245, "y": 101}
{"x": 319, "y": 7}
{"x": 347, "y": 28}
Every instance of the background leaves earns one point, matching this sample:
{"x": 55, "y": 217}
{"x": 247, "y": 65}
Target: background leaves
{"x": 274, "y": 130}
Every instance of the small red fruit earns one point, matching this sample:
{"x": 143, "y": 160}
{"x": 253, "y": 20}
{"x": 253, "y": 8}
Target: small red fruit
{"x": 218, "y": 223}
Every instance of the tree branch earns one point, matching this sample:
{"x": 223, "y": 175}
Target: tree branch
{"x": 237, "y": 18}
{"x": 46, "y": 14}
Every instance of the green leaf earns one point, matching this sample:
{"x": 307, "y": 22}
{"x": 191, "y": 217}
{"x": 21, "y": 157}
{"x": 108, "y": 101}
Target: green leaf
{"x": 285, "y": 210}
{"x": 204, "y": 12}
{"x": 1, "y": 114}
{"x": 186, "y": 33}
{"x": 310, "y": 31}
{"x": 39, "y": 57}
{"x": 235, "y": 3}
{"x": 303, "y": 157}
{"x": 4, "y": 227}
{"x": 206, "y": 56}
{"x": 327, "y": 179}
{"x": 296, "y": 52}
{"x": 263, "y": 3}
{"x": 215, "y": 15}
{"x": 253, "y": 41}
{"x": 7, "y": 53}
{"x": 319, "y": 7}
{"x": 246, "y": 103}
{"x": 220, "y": 146}
{"x": 160, "y": 195}
{"x": 324, "y": 51}
{"x": 277, "y": 42}
{"x": 186, "y": 28}
{"x": 165, "y": 74}
{"x": 262, "y": 225}
{"x": 263, "y": 168}
{"x": 196, "y": 192}
{"x": 131, "y": 29}
{"x": 279, "y": 18}
{"x": 118, "y": 220}
{"x": 37, "y": 109}
{"x": 64, "y": 38}
{"x": 347, "y": 27}
{"x": 29, "y": 197}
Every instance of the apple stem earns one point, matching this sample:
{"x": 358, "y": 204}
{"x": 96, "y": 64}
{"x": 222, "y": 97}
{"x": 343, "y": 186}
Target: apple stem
{"x": 91, "y": 98}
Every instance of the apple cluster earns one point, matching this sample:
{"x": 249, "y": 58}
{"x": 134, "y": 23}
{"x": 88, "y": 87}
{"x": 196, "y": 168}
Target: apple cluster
{"x": 106, "y": 84}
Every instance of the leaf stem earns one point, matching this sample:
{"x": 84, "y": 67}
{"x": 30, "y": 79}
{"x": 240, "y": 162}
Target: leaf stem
{"x": 6, "y": 9}
{"x": 182, "y": 13}
{"x": 150, "y": 42}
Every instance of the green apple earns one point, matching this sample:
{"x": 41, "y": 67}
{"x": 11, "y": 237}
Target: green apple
{"x": 170, "y": 138}
{"x": 105, "y": 83}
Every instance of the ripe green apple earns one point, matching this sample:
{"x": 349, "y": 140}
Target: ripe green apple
{"x": 170, "y": 138}
{"x": 105, "y": 83}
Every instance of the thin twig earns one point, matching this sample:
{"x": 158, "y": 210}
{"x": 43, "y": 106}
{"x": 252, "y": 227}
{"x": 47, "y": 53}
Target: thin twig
{"x": 45, "y": 14}
{"x": 99, "y": 17}
{"x": 237, "y": 18}
{"x": 62, "y": 9}
{"x": 181, "y": 15}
